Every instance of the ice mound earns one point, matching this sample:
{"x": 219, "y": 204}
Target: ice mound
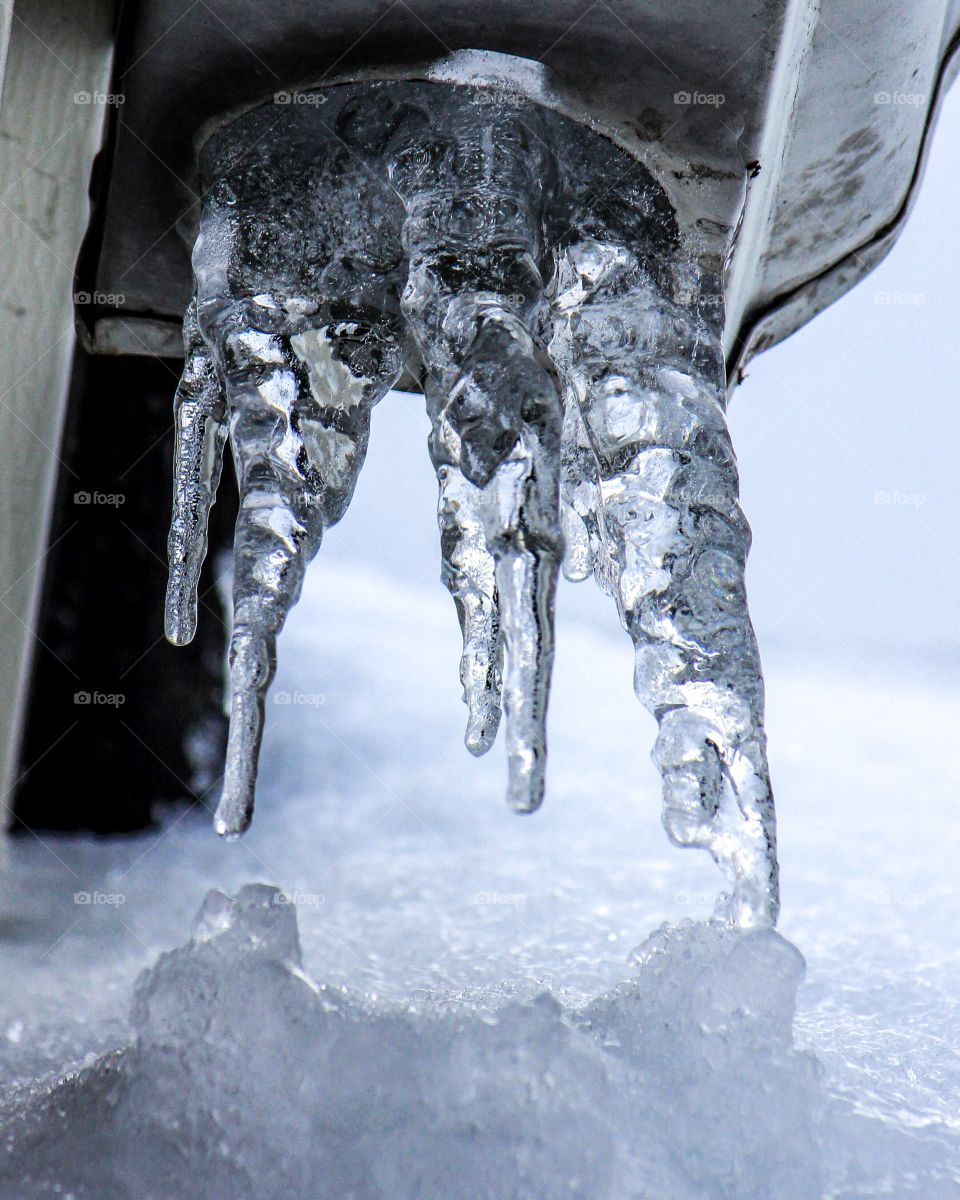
{"x": 247, "y": 1079}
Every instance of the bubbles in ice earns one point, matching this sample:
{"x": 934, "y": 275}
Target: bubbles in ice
{"x": 568, "y": 334}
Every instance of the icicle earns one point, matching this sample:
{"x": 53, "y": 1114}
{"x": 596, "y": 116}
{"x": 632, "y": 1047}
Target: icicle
{"x": 293, "y": 300}
{"x": 279, "y": 528}
{"x": 299, "y": 426}
{"x": 648, "y": 376}
{"x": 523, "y": 535}
{"x": 473, "y": 300}
{"x": 199, "y": 414}
{"x": 468, "y": 571}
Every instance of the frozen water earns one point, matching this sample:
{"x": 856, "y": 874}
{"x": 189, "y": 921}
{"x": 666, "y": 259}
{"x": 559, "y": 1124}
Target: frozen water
{"x": 247, "y": 1079}
{"x": 426, "y": 912}
{"x": 567, "y": 334}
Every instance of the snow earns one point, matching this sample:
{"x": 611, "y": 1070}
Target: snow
{"x": 246, "y": 1079}
{"x": 500, "y": 1041}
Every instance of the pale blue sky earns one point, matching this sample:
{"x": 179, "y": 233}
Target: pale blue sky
{"x": 859, "y": 405}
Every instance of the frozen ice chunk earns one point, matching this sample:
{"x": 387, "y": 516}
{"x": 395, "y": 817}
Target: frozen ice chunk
{"x": 246, "y": 1079}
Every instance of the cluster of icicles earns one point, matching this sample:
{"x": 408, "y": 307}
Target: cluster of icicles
{"x": 532, "y": 277}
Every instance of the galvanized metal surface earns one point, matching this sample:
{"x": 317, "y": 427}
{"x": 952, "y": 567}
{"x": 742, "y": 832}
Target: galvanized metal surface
{"x": 791, "y": 130}
{"x": 58, "y": 50}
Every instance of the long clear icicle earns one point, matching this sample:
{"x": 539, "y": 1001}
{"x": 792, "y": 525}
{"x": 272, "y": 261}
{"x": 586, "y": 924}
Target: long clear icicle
{"x": 647, "y": 375}
{"x": 200, "y": 425}
{"x": 299, "y": 427}
{"x": 473, "y": 302}
{"x": 469, "y": 573}
{"x": 299, "y": 433}
{"x": 291, "y": 304}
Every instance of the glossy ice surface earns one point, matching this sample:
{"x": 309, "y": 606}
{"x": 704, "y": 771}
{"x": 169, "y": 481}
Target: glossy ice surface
{"x": 567, "y": 334}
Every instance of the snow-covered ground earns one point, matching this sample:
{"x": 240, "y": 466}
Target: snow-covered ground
{"x": 417, "y": 888}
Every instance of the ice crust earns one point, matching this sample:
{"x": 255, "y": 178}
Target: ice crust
{"x": 247, "y": 1079}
